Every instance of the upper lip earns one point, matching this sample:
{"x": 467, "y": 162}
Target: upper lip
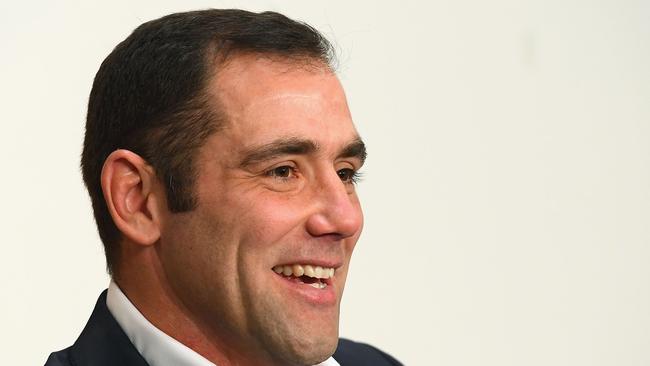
{"x": 325, "y": 263}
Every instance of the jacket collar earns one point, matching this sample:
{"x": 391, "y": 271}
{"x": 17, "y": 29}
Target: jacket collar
{"x": 103, "y": 342}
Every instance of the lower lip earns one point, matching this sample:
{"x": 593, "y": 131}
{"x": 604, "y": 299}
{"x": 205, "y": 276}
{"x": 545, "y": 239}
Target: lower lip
{"x": 316, "y": 296}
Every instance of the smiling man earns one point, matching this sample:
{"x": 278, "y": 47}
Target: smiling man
{"x": 221, "y": 161}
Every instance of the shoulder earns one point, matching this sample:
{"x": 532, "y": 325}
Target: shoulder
{"x": 101, "y": 343}
{"x": 60, "y": 358}
{"x": 349, "y": 353}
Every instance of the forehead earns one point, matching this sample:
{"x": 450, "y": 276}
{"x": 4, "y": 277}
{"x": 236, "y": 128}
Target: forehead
{"x": 265, "y": 98}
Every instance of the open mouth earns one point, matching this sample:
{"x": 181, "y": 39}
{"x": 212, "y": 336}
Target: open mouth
{"x": 314, "y": 276}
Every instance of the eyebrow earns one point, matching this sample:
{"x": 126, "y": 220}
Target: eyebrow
{"x": 355, "y": 149}
{"x": 286, "y": 146}
{"x": 298, "y": 146}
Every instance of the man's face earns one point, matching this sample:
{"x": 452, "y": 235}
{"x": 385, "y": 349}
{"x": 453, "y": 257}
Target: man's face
{"x": 275, "y": 191}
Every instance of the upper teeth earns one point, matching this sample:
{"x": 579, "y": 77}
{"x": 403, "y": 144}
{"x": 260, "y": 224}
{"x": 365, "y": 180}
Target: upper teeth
{"x": 306, "y": 270}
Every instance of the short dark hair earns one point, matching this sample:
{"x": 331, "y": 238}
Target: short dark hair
{"x": 149, "y": 95}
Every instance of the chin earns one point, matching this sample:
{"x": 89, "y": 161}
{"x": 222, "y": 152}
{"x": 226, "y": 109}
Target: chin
{"x": 298, "y": 342}
{"x": 308, "y": 353}
{"x": 290, "y": 328}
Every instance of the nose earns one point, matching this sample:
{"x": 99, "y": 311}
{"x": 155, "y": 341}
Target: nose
{"x": 337, "y": 212}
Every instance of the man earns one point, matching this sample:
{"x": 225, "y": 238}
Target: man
{"x": 221, "y": 160}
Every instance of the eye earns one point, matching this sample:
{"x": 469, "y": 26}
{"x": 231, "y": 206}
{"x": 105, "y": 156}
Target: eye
{"x": 283, "y": 172}
{"x": 348, "y": 175}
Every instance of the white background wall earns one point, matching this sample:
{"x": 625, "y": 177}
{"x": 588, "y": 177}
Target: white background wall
{"x": 507, "y": 192}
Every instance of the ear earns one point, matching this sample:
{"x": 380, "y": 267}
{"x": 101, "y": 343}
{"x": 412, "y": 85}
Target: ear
{"x": 129, "y": 183}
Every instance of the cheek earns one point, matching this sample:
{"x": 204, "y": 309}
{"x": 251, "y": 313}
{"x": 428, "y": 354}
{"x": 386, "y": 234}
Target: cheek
{"x": 193, "y": 246}
{"x": 267, "y": 220}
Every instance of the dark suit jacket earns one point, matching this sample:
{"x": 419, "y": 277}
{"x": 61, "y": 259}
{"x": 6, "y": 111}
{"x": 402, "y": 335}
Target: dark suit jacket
{"x": 104, "y": 343}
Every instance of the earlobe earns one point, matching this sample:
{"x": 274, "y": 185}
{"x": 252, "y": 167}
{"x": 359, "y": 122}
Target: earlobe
{"x": 128, "y": 185}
